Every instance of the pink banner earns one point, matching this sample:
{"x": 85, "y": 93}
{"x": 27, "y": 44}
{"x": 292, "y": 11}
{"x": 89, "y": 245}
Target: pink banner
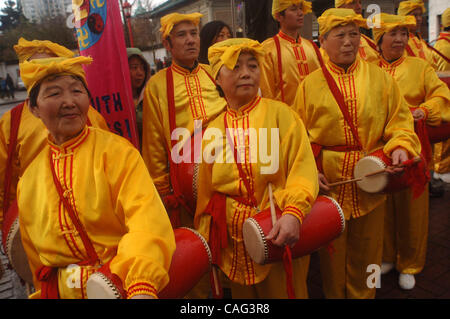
{"x": 100, "y": 36}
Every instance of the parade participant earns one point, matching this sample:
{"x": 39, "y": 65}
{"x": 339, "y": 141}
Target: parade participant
{"x": 61, "y": 223}
{"x": 371, "y": 114}
{"x": 367, "y": 48}
{"x": 416, "y": 45}
{"x": 442, "y": 150}
{"x": 187, "y": 89}
{"x": 406, "y": 219}
{"x": 289, "y": 57}
{"x": 212, "y": 32}
{"x": 232, "y": 190}
{"x": 189, "y": 86}
{"x": 139, "y": 75}
{"x": 31, "y": 133}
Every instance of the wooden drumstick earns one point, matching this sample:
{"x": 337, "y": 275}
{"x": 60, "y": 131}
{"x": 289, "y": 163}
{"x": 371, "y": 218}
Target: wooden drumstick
{"x": 216, "y": 280}
{"x": 272, "y": 206}
{"x": 345, "y": 182}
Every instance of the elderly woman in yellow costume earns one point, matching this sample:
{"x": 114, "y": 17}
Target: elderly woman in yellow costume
{"x": 371, "y": 115}
{"x": 289, "y": 58}
{"x": 442, "y": 150}
{"x": 416, "y": 45}
{"x": 233, "y": 185}
{"x": 87, "y": 198}
{"x": 406, "y": 220}
{"x": 367, "y": 48}
{"x": 31, "y": 135}
{"x": 187, "y": 88}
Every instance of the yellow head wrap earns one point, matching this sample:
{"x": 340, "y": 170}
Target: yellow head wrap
{"x": 26, "y": 49}
{"x": 334, "y": 17}
{"x": 170, "y": 20}
{"x": 227, "y": 53}
{"x": 406, "y": 7}
{"x": 383, "y": 23}
{"x": 446, "y": 18}
{"x": 34, "y": 71}
{"x": 280, "y": 5}
{"x": 339, "y": 3}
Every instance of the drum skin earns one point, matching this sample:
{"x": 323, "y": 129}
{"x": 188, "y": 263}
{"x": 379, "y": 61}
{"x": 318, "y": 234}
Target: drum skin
{"x": 324, "y": 223}
{"x": 190, "y": 261}
{"x": 12, "y": 244}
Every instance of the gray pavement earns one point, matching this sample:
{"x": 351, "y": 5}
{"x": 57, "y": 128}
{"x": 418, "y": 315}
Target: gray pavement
{"x": 8, "y": 103}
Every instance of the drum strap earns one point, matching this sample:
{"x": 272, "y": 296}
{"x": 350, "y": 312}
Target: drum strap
{"x": 90, "y": 250}
{"x": 280, "y": 64}
{"x": 439, "y": 52}
{"x": 370, "y": 42}
{"x": 338, "y": 97}
{"x": 16, "y": 114}
{"x": 409, "y": 50}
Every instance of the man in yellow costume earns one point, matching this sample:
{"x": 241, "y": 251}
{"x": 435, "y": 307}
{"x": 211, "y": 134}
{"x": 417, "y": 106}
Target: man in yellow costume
{"x": 188, "y": 89}
{"x": 442, "y": 150}
{"x": 371, "y": 114}
{"x": 289, "y": 57}
{"x": 416, "y": 45}
{"x": 181, "y": 96}
{"x": 31, "y": 133}
{"x": 87, "y": 198}
{"x": 367, "y": 48}
{"x": 406, "y": 220}
{"x": 233, "y": 182}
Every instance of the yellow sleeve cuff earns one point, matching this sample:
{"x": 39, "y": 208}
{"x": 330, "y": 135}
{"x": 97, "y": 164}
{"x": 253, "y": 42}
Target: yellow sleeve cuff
{"x": 141, "y": 288}
{"x": 294, "y": 211}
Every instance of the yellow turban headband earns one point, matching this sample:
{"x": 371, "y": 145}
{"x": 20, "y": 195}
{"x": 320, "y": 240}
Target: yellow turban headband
{"x": 339, "y": 3}
{"x": 227, "y": 53}
{"x": 383, "y": 23}
{"x": 26, "y": 49}
{"x": 406, "y": 7}
{"x": 334, "y": 17}
{"x": 446, "y": 18}
{"x": 280, "y": 5}
{"x": 34, "y": 71}
{"x": 168, "y": 21}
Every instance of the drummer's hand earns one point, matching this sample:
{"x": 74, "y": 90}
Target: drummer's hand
{"x": 143, "y": 297}
{"x": 418, "y": 114}
{"x": 399, "y": 155}
{"x": 323, "y": 183}
{"x": 285, "y": 231}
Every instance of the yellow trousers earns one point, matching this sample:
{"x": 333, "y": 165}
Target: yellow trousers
{"x": 345, "y": 272}
{"x": 274, "y": 285}
{"x": 406, "y": 231}
{"x": 442, "y": 157}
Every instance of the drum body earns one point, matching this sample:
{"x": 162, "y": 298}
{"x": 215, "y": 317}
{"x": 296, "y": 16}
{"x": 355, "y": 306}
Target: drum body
{"x": 12, "y": 244}
{"x": 190, "y": 261}
{"x": 324, "y": 223}
{"x": 439, "y": 133}
{"x": 379, "y": 183}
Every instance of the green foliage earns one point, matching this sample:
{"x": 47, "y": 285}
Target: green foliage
{"x": 53, "y": 29}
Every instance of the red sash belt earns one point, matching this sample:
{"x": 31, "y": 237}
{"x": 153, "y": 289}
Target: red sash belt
{"x": 48, "y": 276}
{"x": 317, "y": 148}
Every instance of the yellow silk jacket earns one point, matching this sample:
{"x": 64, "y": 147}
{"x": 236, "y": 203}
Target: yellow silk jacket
{"x": 196, "y": 98}
{"x": 419, "y": 49}
{"x": 379, "y": 112}
{"x": 443, "y": 46}
{"x": 31, "y": 139}
{"x": 420, "y": 86}
{"x": 298, "y": 60}
{"x": 292, "y": 173}
{"x": 105, "y": 180}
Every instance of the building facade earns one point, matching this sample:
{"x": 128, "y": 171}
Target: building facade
{"x": 36, "y": 10}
